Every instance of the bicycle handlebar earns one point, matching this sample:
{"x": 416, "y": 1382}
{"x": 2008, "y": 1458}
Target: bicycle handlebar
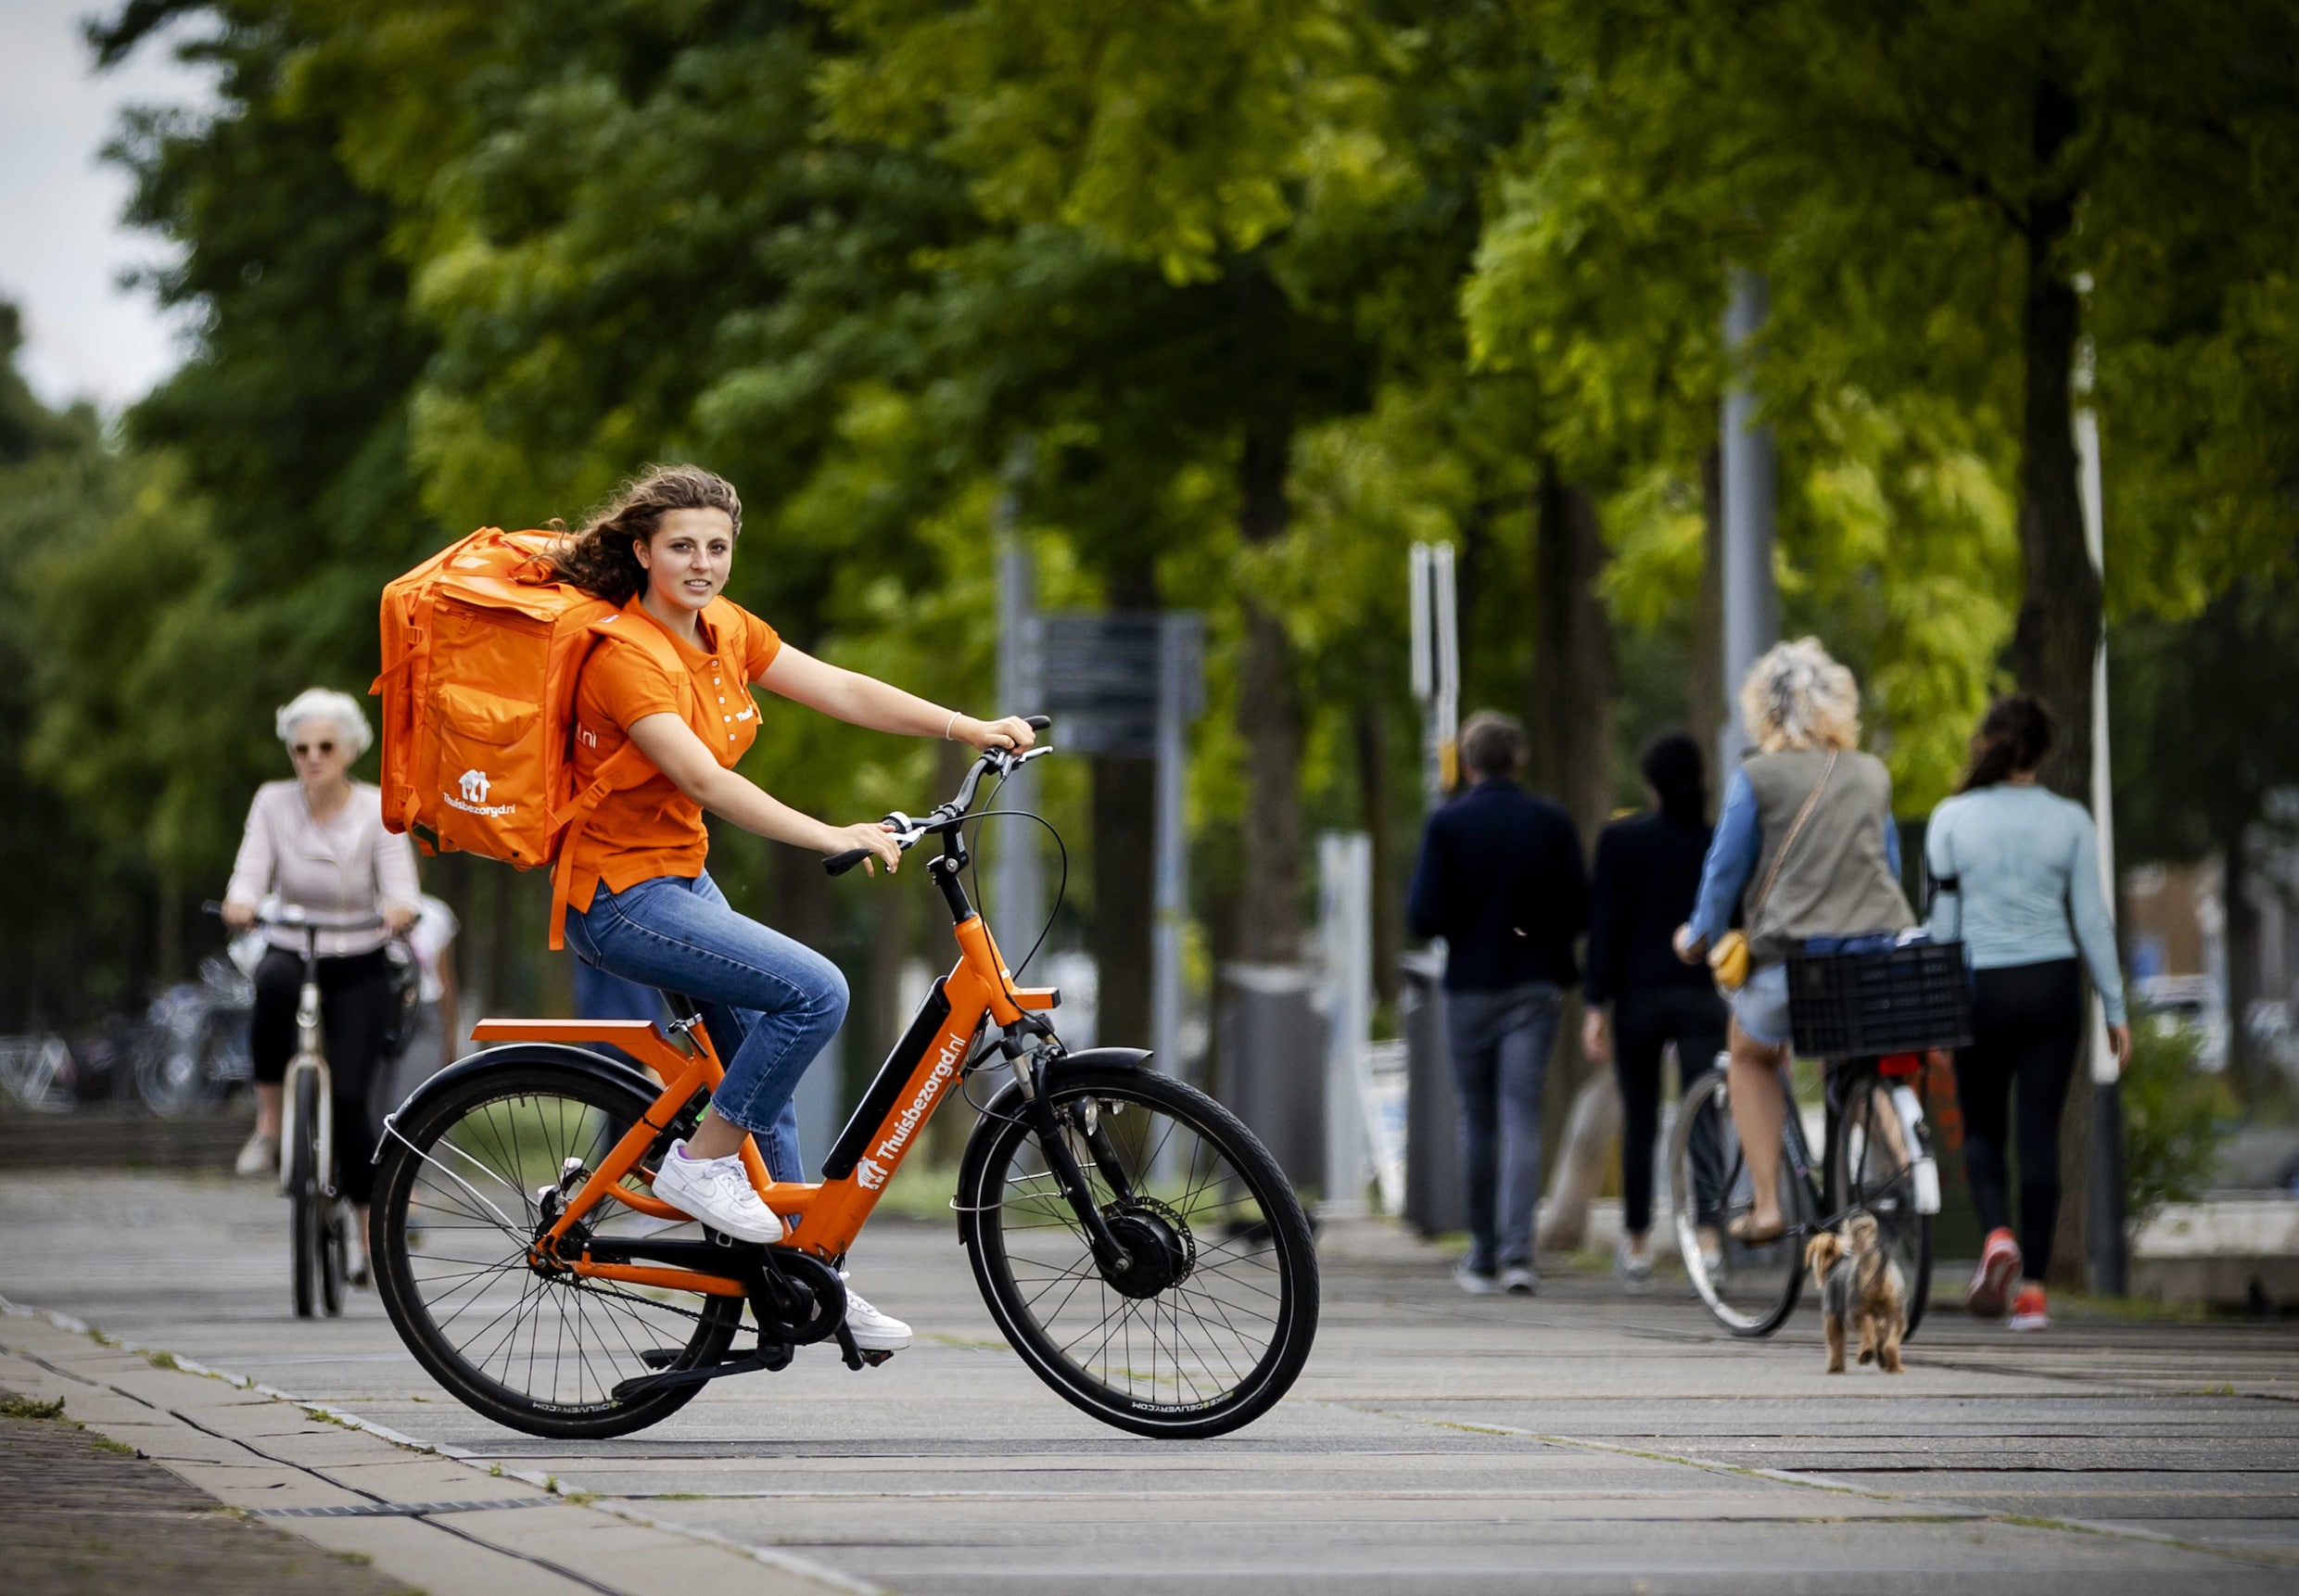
{"x": 295, "y": 917}
{"x": 908, "y": 832}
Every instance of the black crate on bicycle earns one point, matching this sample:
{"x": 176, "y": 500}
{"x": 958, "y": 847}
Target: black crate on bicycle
{"x": 1870, "y": 999}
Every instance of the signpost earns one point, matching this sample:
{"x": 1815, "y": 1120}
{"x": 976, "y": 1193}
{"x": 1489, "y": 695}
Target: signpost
{"x": 1436, "y": 665}
{"x": 1130, "y": 684}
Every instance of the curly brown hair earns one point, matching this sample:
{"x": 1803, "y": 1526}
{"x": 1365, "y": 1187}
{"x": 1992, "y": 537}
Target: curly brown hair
{"x": 599, "y": 557}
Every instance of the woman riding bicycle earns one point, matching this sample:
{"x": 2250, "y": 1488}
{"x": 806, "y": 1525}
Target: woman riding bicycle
{"x": 317, "y": 844}
{"x": 642, "y": 905}
{"x": 1807, "y": 830}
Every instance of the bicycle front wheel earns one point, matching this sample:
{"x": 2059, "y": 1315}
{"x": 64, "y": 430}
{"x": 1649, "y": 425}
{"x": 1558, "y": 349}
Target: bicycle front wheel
{"x": 1749, "y": 1290}
{"x": 1211, "y": 1318}
{"x": 306, "y": 1203}
{"x": 455, "y": 1208}
{"x": 1872, "y": 1168}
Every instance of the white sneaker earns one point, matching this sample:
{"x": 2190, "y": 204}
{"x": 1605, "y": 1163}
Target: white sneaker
{"x": 1471, "y": 1281}
{"x": 873, "y": 1331}
{"x": 717, "y": 1192}
{"x": 258, "y": 1157}
{"x": 1635, "y": 1270}
{"x": 1519, "y": 1281}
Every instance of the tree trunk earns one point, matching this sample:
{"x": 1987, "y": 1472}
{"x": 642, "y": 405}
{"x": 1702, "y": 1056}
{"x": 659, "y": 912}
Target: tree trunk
{"x": 2057, "y": 638}
{"x": 1569, "y": 704}
{"x": 1705, "y": 687}
{"x": 1126, "y": 798}
{"x": 2243, "y": 966}
{"x": 1570, "y": 720}
{"x": 1269, "y": 719}
{"x": 1373, "y": 814}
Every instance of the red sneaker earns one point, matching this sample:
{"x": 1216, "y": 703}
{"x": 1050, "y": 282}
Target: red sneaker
{"x": 1991, "y": 1283}
{"x": 2027, "y": 1309}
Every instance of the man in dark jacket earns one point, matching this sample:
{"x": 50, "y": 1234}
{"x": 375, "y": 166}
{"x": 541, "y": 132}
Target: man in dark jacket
{"x": 1500, "y": 878}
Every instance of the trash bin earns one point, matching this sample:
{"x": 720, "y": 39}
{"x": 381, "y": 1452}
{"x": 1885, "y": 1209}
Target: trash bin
{"x": 1271, "y": 1063}
{"x": 1432, "y": 1114}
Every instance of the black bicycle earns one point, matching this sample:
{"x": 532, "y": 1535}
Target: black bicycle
{"x": 318, "y": 1216}
{"x": 1873, "y": 1012}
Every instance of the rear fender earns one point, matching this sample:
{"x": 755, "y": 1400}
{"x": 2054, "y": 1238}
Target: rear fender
{"x": 643, "y": 1089}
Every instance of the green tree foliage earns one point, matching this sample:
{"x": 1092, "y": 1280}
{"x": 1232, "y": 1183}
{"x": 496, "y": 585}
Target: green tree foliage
{"x": 74, "y": 891}
{"x": 1925, "y": 188}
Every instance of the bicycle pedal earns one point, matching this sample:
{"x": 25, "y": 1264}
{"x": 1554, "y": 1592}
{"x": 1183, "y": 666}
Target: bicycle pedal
{"x": 875, "y": 1356}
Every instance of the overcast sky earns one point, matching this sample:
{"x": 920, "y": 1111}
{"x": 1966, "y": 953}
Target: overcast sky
{"x": 62, "y": 247}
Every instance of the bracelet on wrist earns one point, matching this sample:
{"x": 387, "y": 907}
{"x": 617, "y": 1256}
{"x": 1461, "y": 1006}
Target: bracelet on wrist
{"x": 950, "y": 727}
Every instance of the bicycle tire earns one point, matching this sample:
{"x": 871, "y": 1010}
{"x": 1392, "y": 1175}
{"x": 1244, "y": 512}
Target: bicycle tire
{"x": 305, "y": 1201}
{"x": 1889, "y": 1194}
{"x": 1257, "y": 1210}
{"x": 334, "y": 1265}
{"x": 519, "y": 1090}
{"x": 1706, "y": 1108}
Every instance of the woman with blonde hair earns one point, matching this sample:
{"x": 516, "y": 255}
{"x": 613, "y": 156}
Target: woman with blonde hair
{"x": 1806, "y": 847}
{"x": 317, "y": 842}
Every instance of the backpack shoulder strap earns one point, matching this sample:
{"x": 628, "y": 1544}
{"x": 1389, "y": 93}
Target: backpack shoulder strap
{"x": 626, "y": 767}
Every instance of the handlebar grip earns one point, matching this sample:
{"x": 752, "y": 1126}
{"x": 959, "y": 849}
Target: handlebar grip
{"x": 1037, "y": 722}
{"x": 839, "y": 864}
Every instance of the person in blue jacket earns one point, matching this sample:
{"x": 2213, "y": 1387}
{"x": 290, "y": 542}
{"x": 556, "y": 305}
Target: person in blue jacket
{"x": 1500, "y": 878}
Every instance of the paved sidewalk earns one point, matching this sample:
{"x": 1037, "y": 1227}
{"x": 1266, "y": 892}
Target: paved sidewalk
{"x": 1579, "y": 1441}
{"x": 79, "y": 1513}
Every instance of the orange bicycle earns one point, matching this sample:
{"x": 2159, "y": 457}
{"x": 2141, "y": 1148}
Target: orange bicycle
{"x": 1134, "y": 1242}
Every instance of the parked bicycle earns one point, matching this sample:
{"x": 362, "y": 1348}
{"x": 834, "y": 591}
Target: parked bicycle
{"x": 1873, "y": 1011}
{"x": 1138, "y": 1246}
{"x": 193, "y": 1052}
{"x": 37, "y": 1072}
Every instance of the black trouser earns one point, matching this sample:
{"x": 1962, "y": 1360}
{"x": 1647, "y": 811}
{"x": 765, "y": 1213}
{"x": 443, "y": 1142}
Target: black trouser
{"x": 354, "y": 1003}
{"x": 1643, "y": 1022}
{"x": 2028, "y": 1026}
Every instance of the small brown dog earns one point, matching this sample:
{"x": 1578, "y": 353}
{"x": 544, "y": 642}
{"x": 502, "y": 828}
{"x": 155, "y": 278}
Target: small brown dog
{"x": 1858, "y": 1281}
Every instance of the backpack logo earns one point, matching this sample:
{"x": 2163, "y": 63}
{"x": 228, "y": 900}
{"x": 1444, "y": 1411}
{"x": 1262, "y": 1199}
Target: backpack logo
{"x": 473, "y": 785}
{"x": 870, "y": 1174}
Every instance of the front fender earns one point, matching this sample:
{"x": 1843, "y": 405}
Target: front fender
{"x": 1007, "y": 1105}
{"x": 581, "y": 1060}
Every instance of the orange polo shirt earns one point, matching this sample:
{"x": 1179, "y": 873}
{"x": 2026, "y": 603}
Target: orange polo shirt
{"x": 654, "y": 829}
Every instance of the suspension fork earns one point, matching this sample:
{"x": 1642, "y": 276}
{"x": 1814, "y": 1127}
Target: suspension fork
{"x": 1046, "y": 1124}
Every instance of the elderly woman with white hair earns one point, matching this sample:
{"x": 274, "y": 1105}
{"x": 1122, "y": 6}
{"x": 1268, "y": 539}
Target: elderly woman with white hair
{"x": 1806, "y": 847}
{"x": 318, "y": 842}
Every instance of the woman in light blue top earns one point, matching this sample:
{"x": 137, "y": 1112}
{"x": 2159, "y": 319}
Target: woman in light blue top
{"x": 2017, "y": 869}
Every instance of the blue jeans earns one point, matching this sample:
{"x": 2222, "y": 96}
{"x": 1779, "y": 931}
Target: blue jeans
{"x": 772, "y": 1004}
{"x": 1500, "y": 1043}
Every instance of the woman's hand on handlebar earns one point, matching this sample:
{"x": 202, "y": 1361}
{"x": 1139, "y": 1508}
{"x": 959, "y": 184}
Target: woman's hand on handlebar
{"x": 871, "y": 836}
{"x": 239, "y": 917}
{"x": 1011, "y": 733}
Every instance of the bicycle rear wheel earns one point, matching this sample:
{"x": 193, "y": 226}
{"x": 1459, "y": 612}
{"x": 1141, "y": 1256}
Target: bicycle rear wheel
{"x": 1214, "y": 1319}
{"x": 1749, "y": 1290}
{"x": 307, "y": 1204}
{"x": 1871, "y": 1167}
{"x": 455, "y": 1208}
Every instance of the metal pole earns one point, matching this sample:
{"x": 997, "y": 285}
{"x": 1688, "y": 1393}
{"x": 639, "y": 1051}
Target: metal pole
{"x": 1016, "y": 879}
{"x": 1448, "y": 668}
{"x": 2105, "y": 1243}
{"x": 1177, "y": 693}
{"x": 1345, "y": 891}
{"x": 1751, "y": 598}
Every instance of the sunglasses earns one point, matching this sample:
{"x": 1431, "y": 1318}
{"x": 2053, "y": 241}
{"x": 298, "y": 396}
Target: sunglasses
{"x": 303, "y": 749}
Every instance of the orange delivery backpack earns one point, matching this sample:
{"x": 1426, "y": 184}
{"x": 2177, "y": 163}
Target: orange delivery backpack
{"x": 481, "y": 649}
